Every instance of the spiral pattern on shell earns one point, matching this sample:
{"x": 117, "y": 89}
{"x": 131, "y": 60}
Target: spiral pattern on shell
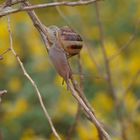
{"x": 71, "y": 42}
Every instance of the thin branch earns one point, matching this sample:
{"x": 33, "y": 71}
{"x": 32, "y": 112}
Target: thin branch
{"x": 89, "y": 112}
{"x": 39, "y": 26}
{"x": 62, "y": 15}
{"x": 33, "y": 83}
{"x": 77, "y": 116}
{"x": 107, "y": 65}
{"x": 1, "y": 55}
{"x": 53, "y": 4}
{"x": 73, "y": 126}
{"x": 92, "y": 58}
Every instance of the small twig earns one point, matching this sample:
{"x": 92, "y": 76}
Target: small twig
{"x": 62, "y": 15}
{"x": 33, "y": 83}
{"x": 73, "y": 126}
{"x": 107, "y": 65}
{"x": 92, "y": 58}
{"x": 39, "y": 26}
{"x": 1, "y": 55}
{"x": 53, "y": 4}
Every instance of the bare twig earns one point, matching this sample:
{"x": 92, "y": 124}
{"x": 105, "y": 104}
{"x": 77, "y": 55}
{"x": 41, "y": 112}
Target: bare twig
{"x": 63, "y": 3}
{"x": 92, "y": 58}
{"x": 73, "y": 126}
{"x": 39, "y": 26}
{"x": 33, "y": 84}
{"x": 108, "y": 72}
{"x": 62, "y": 15}
{"x": 1, "y": 55}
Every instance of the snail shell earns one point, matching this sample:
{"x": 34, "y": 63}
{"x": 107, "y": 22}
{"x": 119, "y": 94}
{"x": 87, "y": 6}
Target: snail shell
{"x": 71, "y": 42}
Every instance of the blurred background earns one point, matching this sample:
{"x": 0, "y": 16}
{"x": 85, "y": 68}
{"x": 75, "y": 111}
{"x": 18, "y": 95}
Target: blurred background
{"x": 21, "y": 117}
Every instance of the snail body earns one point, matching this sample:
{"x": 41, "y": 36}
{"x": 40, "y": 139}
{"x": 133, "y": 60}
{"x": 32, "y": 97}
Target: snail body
{"x": 60, "y": 62}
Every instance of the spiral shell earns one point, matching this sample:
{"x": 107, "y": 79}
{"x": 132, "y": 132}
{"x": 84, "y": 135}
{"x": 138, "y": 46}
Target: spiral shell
{"x": 71, "y": 42}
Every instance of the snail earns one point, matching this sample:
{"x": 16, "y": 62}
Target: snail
{"x": 70, "y": 41}
{"x": 64, "y": 44}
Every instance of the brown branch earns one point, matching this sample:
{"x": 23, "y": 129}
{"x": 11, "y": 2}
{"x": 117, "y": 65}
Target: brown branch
{"x": 84, "y": 99}
{"x": 32, "y": 82}
{"x": 73, "y": 126}
{"x": 77, "y": 116}
{"x": 1, "y": 55}
{"x": 92, "y": 58}
{"x": 53, "y": 4}
{"x": 107, "y": 65}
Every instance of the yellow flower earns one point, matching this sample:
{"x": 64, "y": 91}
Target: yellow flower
{"x": 130, "y": 101}
{"x": 110, "y": 47}
{"x": 66, "y": 105}
{"x": 103, "y": 103}
{"x": 14, "y": 84}
{"x": 29, "y": 134}
{"x": 86, "y": 61}
{"x": 58, "y": 81}
{"x": 16, "y": 110}
{"x": 134, "y": 64}
{"x": 87, "y": 132}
